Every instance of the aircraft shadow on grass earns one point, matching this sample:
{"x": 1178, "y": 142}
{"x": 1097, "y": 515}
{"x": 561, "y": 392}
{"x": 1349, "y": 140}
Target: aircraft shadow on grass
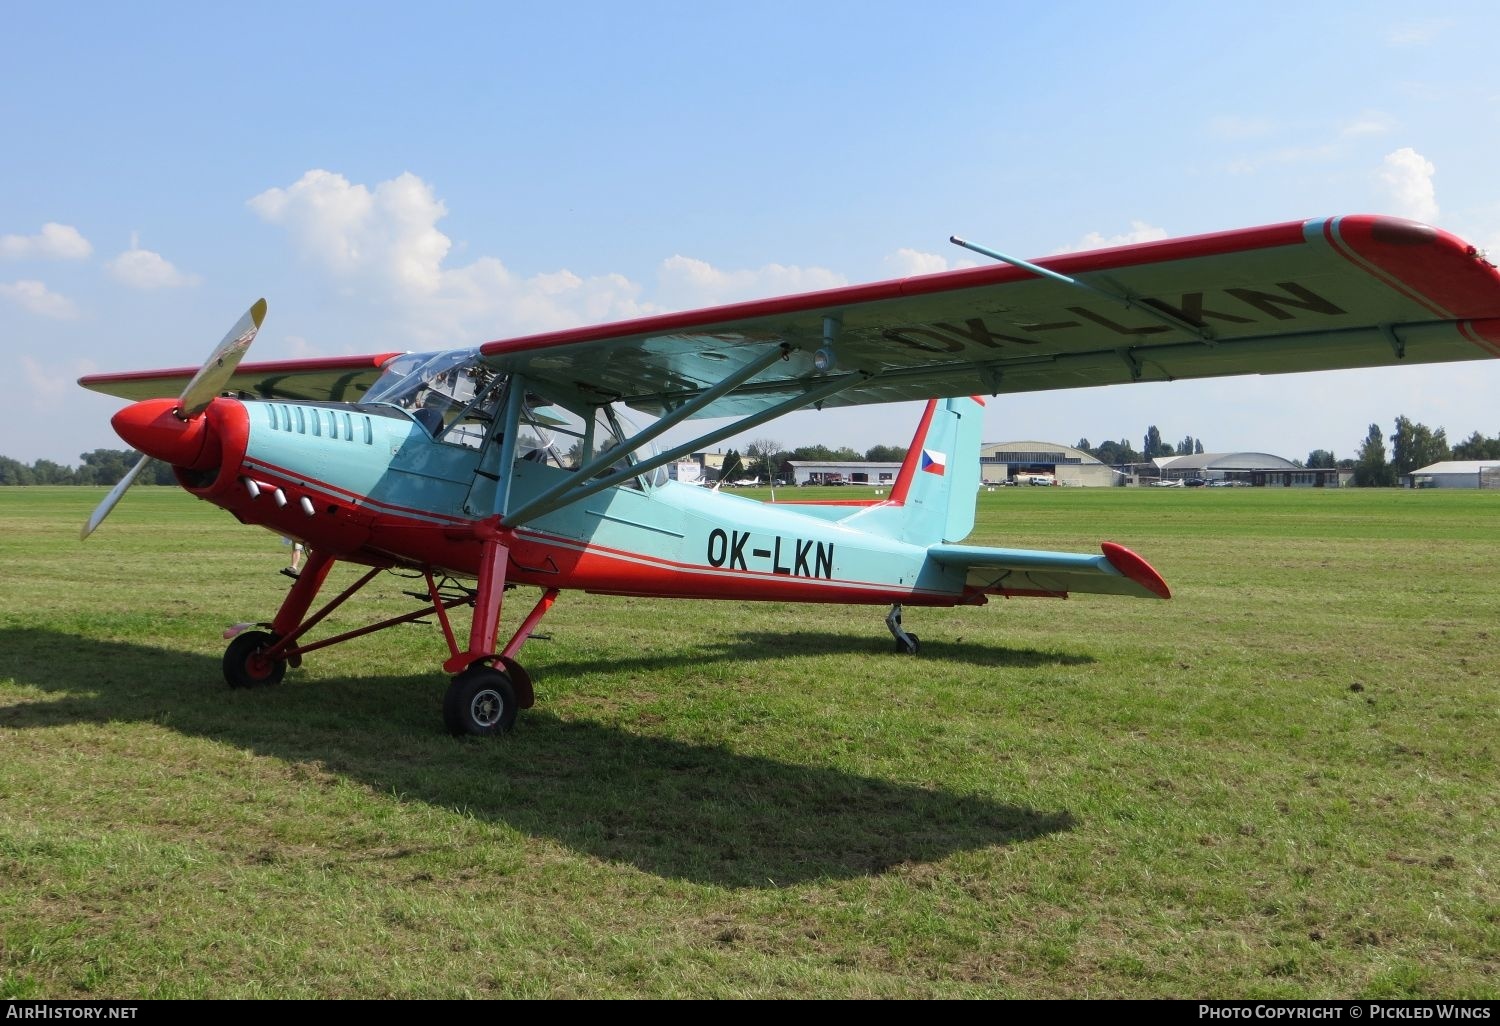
{"x": 756, "y": 645}
{"x": 713, "y": 816}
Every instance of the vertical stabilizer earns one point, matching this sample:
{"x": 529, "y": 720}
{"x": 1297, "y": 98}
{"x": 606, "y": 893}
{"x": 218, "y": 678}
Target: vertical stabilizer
{"x": 932, "y": 501}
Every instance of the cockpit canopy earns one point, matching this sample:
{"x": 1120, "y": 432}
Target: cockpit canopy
{"x": 458, "y": 398}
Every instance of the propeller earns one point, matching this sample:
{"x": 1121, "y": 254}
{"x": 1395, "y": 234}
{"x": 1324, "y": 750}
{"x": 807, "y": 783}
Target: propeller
{"x": 204, "y": 387}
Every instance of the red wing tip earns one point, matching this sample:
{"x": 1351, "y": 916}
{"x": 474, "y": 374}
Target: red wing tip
{"x": 1398, "y": 231}
{"x": 1136, "y": 569}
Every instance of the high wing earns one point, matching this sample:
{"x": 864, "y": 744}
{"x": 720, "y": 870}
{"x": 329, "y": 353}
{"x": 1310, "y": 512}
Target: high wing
{"x": 332, "y": 379}
{"x": 1017, "y": 572}
{"x": 1354, "y": 291}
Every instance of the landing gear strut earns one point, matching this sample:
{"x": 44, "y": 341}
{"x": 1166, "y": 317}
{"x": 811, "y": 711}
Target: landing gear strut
{"x": 906, "y": 642}
{"x": 489, "y": 686}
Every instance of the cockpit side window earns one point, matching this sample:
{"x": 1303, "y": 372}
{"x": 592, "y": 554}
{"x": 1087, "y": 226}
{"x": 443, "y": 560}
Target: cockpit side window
{"x": 562, "y": 437}
{"x": 454, "y": 395}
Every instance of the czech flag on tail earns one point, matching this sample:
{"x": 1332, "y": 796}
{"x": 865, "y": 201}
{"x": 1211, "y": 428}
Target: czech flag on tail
{"x": 934, "y": 462}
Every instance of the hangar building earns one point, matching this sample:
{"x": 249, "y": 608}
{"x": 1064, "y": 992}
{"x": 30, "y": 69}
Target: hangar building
{"x": 1000, "y": 462}
{"x": 1260, "y": 469}
{"x": 1458, "y": 474}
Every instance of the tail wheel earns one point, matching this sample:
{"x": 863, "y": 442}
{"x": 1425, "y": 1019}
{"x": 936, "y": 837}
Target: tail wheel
{"x": 246, "y": 664}
{"x": 481, "y": 701}
{"x": 909, "y": 646}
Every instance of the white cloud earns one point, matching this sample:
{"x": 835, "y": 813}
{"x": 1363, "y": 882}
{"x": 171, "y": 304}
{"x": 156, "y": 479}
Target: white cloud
{"x": 35, "y": 297}
{"x": 485, "y": 298}
{"x": 45, "y": 385}
{"x": 143, "y": 269}
{"x": 383, "y": 243}
{"x": 1370, "y": 122}
{"x": 1418, "y": 33}
{"x": 1140, "y": 231}
{"x": 54, "y": 242}
{"x": 1407, "y": 177}
{"x": 686, "y": 282}
{"x": 299, "y": 348}
{"x": 1284, "y": 156}
{"x": 390, "y": 233}
{"x": 906, "y": 262}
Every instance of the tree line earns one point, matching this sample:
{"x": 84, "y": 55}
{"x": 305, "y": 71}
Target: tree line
{"x": 764, "y": 457}
{"x": 1119, "y": 453}
{"x": 1413, "y": 446}
{"x": 100, "y": 467}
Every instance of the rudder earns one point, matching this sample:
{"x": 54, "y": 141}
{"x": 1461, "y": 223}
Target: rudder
{"x": 932, "y": 501}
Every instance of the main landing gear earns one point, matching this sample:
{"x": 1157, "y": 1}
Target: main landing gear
{"x": 246, "y": 664}
{"x": 906, "y": 642}
{"x": 480, "y": 701}
{"x": 488, "y": 688}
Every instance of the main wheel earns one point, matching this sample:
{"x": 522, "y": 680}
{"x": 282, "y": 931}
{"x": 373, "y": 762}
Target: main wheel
{"x": 245, "y": 663}
{"x": 480, "y": 701}
{"x": 902, "y": 648}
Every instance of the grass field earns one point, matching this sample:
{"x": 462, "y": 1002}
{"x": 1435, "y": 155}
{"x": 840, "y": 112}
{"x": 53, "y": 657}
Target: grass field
{"x": 1281, "y": 783}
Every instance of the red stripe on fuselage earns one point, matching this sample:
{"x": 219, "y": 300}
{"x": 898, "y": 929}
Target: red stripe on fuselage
{"x": 385, "y": 534}
{"x": 602, "y": 568}
{"x": 254, "y": 465}
{"x": 832, "y": 502}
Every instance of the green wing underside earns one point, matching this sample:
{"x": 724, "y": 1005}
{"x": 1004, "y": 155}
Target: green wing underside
{"x": 1282, "y": 299}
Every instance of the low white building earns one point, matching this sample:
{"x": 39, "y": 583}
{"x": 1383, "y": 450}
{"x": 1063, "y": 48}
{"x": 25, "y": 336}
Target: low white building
{"x": 1458, "y": 474}
{"x": 834, "y": 472}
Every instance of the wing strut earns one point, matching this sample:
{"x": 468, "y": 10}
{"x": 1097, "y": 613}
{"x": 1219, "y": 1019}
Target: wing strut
{"x": 625, "y": 448}
{"x": 578, "y": 487}
{"x": 515, "y": 399}
{"x": 1131, "y": 302}
{"x": 683, "y": 412}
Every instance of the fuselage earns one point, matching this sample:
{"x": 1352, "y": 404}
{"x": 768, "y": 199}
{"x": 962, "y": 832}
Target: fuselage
{"x": 371, "y": 484}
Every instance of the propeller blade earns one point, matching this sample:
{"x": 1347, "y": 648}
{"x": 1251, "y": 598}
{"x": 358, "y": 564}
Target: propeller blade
{"x": 202, "y": 390}
{"x": 219, "y": 368}
{"x": 113, "y": 497}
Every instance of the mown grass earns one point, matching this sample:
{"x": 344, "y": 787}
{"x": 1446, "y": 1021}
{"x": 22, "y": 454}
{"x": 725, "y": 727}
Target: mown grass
{"x": 1281, "y": 783}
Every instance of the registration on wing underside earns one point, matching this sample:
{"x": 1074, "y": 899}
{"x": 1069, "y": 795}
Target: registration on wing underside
{"x": 1236, "y": 306}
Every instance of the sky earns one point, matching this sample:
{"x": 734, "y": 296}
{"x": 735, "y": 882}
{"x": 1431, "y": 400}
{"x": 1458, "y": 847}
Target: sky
{"x": 402, "y": 176}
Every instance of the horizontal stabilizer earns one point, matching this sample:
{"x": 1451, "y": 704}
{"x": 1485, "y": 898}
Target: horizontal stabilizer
{"x": 1027, "y": 572}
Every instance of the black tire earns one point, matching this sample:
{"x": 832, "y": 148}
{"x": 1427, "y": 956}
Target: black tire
{"x": 246, "y": 667}
{"x": 902, "y": 648}
{"x": 481, "y": 702}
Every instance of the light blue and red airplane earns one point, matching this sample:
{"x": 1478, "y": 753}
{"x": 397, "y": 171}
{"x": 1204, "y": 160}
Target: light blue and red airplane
{"x": 514, "y": 462}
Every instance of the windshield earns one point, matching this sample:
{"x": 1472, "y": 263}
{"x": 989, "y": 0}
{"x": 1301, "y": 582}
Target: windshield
{"x": 451, "y": 394}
